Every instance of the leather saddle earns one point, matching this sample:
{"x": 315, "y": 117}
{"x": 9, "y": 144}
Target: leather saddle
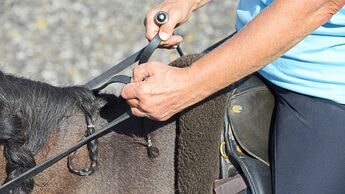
{"x": 247, "y": 130}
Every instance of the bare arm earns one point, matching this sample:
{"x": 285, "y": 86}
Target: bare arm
{"x": 273, "y": 32}
{"x": 267, "y": 37}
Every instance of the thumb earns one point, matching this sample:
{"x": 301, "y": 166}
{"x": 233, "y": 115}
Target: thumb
{"x": 167, "y": 29}
{"x": 129, "y": 91}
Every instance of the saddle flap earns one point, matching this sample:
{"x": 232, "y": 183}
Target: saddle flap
{"x": 258, "y": 175}
{"x": 250, "y": 112}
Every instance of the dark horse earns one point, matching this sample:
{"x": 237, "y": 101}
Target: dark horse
{"x": 38, "y": 120}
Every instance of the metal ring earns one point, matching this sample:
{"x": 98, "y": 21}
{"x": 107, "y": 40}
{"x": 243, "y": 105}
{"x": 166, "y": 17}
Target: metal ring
{"x": 222, "y": 150}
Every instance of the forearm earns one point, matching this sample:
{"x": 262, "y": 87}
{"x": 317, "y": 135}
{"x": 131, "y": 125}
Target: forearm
{"x": 272, "y": 33}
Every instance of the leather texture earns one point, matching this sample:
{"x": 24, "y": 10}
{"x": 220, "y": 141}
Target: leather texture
{"x": 251, "y": 106}
{"x": 248, "y": 119}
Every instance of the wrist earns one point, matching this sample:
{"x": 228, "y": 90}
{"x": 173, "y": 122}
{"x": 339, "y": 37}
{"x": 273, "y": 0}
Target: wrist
{"x": 197, "y": 86}
{"x": 207, "y": 77}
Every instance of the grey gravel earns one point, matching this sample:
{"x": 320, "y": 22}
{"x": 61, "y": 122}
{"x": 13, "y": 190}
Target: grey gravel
{"x": 66, "y": 42}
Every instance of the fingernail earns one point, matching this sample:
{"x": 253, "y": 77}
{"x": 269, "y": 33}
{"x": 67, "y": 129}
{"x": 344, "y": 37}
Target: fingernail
{"x": 163, "y": 35}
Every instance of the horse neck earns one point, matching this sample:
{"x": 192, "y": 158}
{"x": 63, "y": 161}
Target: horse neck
{"x": 123, "y": 167}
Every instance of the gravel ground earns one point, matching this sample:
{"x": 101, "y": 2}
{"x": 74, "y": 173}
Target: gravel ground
{"x": 66, "y": 42}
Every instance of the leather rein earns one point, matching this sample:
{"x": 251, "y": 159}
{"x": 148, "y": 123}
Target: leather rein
{"x": 98, "y": 83}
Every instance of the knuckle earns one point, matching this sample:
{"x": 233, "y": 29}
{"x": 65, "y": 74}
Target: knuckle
{"x": 136, "y": 71}
{"x": 131, "y": 103}
{"x": 124, "y": 92}
{"x": 149, "y": 35}
{"x": 151, "y": 13}
{"x": 135, "y": 111}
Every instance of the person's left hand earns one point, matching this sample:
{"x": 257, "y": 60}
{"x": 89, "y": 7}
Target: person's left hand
{"x": 159, "y": 91}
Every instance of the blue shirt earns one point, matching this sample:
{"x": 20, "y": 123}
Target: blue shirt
{"x": 315, "y": 66}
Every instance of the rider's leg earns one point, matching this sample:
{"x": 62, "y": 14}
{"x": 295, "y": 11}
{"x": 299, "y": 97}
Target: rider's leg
{"x": 308, "y": 145}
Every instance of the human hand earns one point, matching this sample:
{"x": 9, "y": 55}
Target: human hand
{"x": 159, "y": 91}
{"x": 179, "y": 12}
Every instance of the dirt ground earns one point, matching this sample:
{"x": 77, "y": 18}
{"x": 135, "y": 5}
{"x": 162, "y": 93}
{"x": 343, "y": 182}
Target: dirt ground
{"x": 68, "y": 42}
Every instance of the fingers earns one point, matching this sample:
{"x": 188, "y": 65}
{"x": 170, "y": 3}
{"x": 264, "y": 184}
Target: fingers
{"x": 172, "y": 42}
{"x": 137, "y": 112}
{"x": 164, "y": 31}
{"x": 133, "y": 103}
{"x": 140, "y": 73}
{"x": 129, "y": 91}
{"x": 141, "y": 95}
{"x": 151, "y": 27}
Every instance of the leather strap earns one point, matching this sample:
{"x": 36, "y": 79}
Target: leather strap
{"x": 102, "y": 79}
{"x": 116, "y": 79}
{"x": 110, "y": 76}
{"x": 231, "y": 185}
{"x": 149, "y": 49}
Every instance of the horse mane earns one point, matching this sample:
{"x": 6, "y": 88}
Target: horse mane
{"x": 29, "y": 112}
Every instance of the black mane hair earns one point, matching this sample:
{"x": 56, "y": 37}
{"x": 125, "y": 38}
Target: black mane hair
{"x": 29, "y": 111}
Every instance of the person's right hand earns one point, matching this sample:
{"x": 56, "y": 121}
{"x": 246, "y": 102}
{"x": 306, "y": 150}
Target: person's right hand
{"x": 179, "y": 12}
